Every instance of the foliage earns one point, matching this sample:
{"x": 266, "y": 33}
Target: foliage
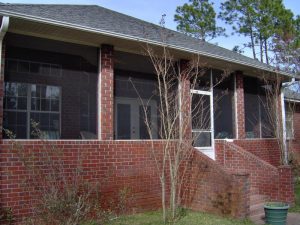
{"x": 296, "y": 207}
{"x": 286, "y": 45}
{"x": 190, "y": 218}
{"x": 198, "y": 19}
{"x": 261, "y": 21}
{"x": 6, "y": 215}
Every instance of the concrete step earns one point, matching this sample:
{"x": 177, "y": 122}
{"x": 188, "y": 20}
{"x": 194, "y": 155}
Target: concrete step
{"x": 258, "y": 219}
{"x": 256, "y": 209}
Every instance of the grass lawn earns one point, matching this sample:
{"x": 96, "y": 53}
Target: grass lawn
{"x": 296, "y": 208}
{"x": 191, "y": 218}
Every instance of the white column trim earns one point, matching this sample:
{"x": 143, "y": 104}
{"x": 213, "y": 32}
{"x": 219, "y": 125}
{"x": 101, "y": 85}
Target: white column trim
{"x": 236, "y": 109}
{"x": 283, "y": 115}
{"x": 99, "y": 96}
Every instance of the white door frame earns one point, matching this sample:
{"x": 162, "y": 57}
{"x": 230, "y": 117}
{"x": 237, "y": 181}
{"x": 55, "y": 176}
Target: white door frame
{"x": 209, "y": 151}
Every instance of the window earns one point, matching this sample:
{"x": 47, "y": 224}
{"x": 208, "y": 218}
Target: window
{"x": 24, "y": 103}
{"x": 33, "y": 68}
{"x": 289, "y": 121}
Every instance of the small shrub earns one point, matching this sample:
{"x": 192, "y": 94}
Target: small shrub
{"x": 63, "y": 196}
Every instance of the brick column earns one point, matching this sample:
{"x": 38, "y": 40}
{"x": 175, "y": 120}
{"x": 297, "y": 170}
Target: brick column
{"x": 2, "y": 88}
{"x": 243, "y": 195}
{"x": 106, "y": 95}
{"x": 240, "y": 106}
{"x": 185, "y": 99}
{"x": 286, "y": 184}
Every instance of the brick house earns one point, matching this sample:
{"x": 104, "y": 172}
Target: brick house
{"x": 67, "y": 67}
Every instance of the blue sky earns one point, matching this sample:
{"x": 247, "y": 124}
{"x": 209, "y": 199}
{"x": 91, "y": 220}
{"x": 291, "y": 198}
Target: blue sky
{"x": 152, "y": 10}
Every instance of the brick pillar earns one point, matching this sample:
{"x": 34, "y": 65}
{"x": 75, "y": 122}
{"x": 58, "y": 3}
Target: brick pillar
{"x": 243, "y": 195}
{"x": 2, "y": 88}
{"x": 185, "y": 100}
{"x": 240, "y": 106}
{"x": 106, "y": 96}
{"x": 286, "y": 184}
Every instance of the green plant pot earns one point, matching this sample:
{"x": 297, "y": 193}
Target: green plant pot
{"x": 276, "y": 213}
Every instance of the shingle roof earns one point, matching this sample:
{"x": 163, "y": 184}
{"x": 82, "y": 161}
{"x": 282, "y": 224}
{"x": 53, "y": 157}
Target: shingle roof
{"x": 107, "y": 21}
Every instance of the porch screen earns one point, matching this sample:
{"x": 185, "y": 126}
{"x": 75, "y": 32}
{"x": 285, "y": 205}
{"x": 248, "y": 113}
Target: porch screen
{"x": 135, "y": 103}
{"x": 224, "y": 113}
{"x": 257, "y": 120}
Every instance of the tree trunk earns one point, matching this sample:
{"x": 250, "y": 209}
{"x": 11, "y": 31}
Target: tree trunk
{"x": 261, "y": 48}
{"x": 252, "y": 44}
{"x": 163, "y": 199}
{"x": 266, "y": 52}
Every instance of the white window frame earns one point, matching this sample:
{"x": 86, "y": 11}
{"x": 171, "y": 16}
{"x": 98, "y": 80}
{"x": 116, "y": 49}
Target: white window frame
{"x": 28, "y": 110}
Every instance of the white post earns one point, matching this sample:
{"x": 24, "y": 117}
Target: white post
{"x": 99, "y": 97}
{"x": 284, "y": 144}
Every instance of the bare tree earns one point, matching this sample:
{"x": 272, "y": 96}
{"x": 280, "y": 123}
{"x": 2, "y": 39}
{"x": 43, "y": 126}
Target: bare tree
{"x": 177, "y": 114}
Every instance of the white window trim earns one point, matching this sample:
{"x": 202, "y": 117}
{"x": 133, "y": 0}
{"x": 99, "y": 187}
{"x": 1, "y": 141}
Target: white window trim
{"x": 28, "y": 111}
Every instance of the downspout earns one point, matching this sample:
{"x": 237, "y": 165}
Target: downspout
{"x": 3, "y": 30}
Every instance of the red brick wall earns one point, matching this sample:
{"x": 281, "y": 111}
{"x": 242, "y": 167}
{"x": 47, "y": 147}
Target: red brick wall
{"x": 107, "y": 93}
{"x": 240, "y": 107}
{"x": 210, "y": 188}
{"x": 274, "y": 182}
{"x": 265, "y": 149}
{"x": 118, "y": 164}
{"x": 295, "y": 143}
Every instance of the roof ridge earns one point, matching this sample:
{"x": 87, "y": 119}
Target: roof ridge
{"x": 36, "y": 4}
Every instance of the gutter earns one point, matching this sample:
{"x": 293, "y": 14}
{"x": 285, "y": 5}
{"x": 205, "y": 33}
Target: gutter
{"x": 130, "y": 37}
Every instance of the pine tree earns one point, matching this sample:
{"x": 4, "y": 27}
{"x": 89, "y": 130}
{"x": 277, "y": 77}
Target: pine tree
{"x": 198, "y": 19}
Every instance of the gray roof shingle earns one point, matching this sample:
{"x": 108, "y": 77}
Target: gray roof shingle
{"x": 105, "y": 20}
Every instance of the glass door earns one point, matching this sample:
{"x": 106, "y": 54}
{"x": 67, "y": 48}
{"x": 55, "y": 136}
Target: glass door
{"x": 130, "y": 119}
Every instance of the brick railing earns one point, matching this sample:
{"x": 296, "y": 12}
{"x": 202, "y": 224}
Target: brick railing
{"x": 274, "y": 182}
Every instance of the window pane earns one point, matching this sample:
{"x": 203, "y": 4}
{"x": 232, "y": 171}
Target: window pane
{"x": 11, "y": 89}
{"x": 34, "y": 67}
{"x": 22, "y": 103}
{"x": 12, "y": 65}
{"x": 22, "y": 90}
{"x": 21, "y": 118}
{"x": 54, "y": 105}
{"x": 54, "y": 121}
{"x": 23, "y": 67}
{"x": 45, "y": 69}
{"x": 21, "y": 132}
{"x": 11, "y": 103}
{"x": 44, "y": 122}
{"x": 45, "y": 104}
